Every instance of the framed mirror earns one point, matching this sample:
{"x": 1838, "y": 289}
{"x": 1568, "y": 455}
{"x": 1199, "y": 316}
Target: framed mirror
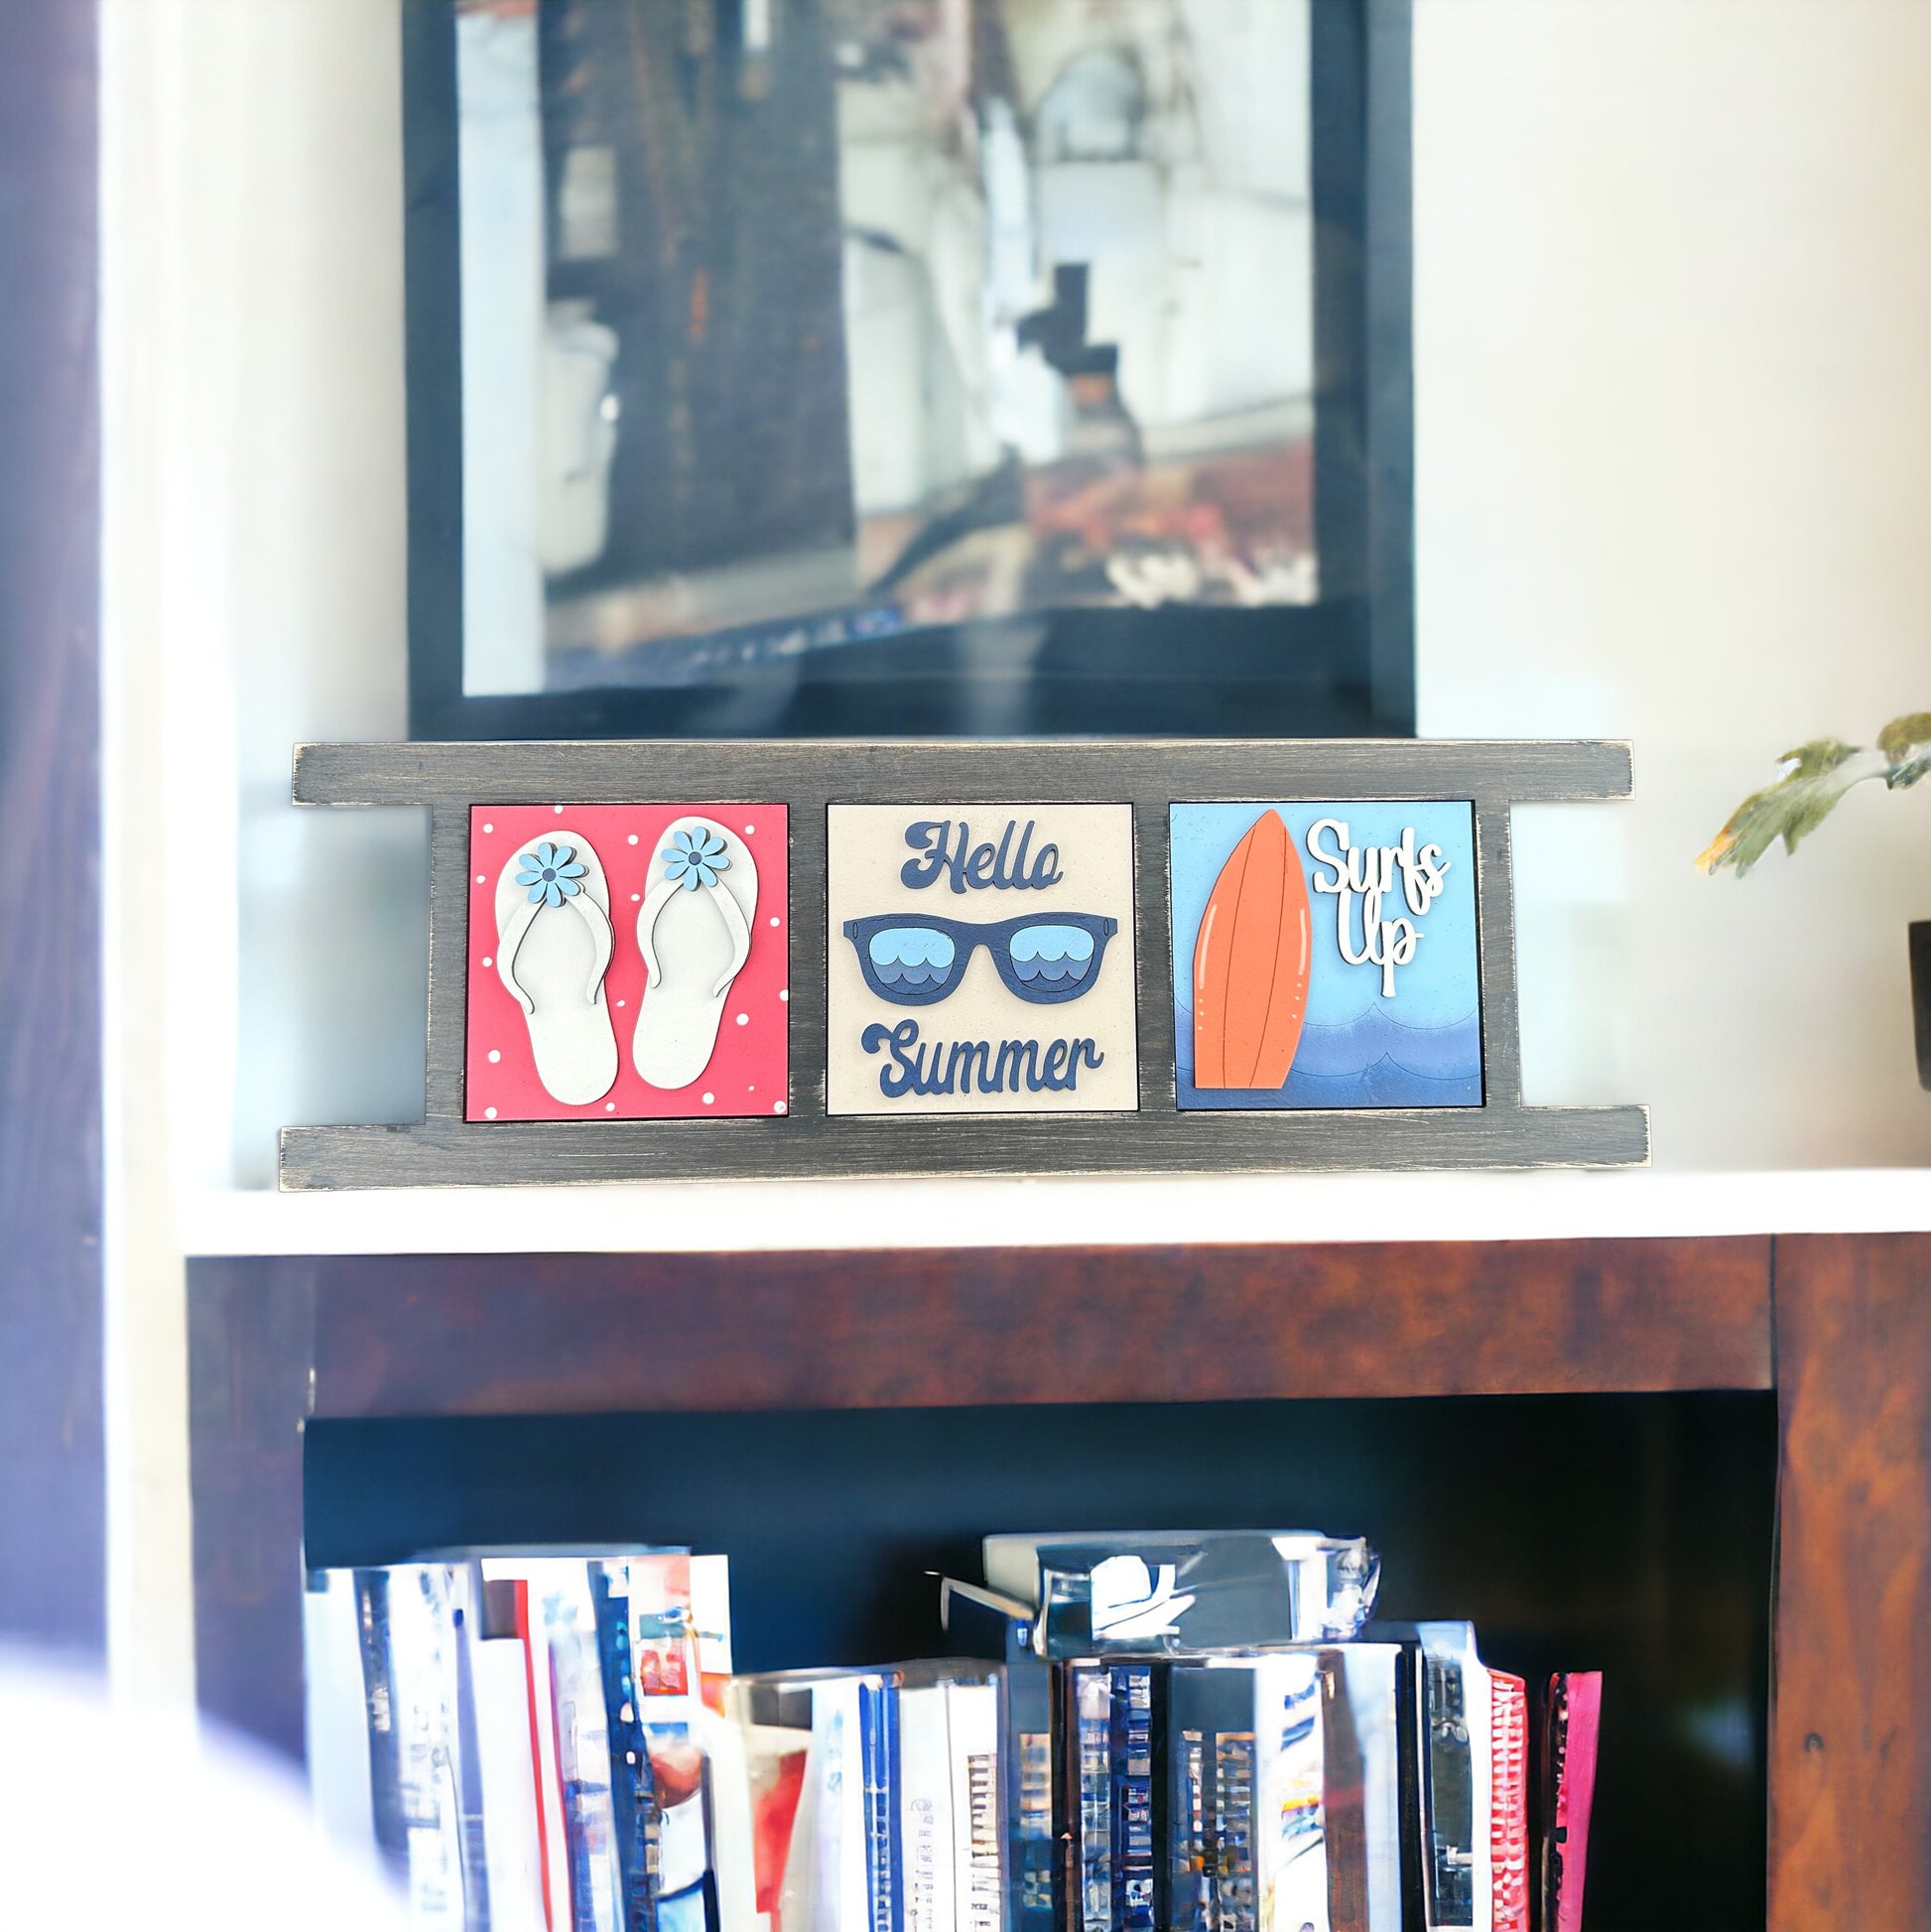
{"x": 948, "y": 367}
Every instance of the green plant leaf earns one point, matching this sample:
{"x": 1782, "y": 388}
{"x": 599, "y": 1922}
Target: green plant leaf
{"x": 1813, "y": 777}
{"x": 1906, "y": 744}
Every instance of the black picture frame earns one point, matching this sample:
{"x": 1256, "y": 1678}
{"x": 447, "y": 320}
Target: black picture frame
{"x": 1340, "y": 667}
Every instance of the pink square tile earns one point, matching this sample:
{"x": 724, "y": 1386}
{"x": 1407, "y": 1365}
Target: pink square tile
{"x": 622, "y": 1051}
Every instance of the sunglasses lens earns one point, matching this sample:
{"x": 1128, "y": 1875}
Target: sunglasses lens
{"x": 1051, "y": 957}
{"x": 910, "y": 957}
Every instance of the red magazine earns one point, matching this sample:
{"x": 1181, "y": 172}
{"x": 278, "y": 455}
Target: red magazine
{"x": 1509, "y": 1810}
{"x": 1571, "y": 1724}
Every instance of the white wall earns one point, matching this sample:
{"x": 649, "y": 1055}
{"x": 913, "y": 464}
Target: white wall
{"x": 1673, "y": 362}
{"x": 262, "y": 965}
{"x": 1674, "y": 369}
{"x": 1673, "y": 278}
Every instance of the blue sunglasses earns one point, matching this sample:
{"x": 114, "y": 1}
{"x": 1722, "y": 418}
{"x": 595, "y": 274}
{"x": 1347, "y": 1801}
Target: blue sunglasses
{"x": 1042, "y": 958}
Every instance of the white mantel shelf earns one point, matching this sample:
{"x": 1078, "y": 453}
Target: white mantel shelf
{"x": 759, "y": 1217}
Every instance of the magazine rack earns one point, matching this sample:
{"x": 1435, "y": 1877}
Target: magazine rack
{"x": 1839, "y": 1327}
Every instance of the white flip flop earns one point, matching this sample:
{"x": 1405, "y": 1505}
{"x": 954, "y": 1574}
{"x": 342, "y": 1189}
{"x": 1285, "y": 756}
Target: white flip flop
{"x": 552, "y": 946}
{"x": 694, "y": 933}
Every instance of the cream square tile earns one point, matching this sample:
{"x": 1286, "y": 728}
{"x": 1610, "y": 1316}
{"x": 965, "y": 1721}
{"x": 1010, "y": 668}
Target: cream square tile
{"x": 981, "y": 959}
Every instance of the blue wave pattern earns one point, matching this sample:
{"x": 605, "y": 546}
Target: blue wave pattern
{"x": 1051, "y": 955}
{"x": 1370, "y": 1062}
{"x": 912, "y": 956}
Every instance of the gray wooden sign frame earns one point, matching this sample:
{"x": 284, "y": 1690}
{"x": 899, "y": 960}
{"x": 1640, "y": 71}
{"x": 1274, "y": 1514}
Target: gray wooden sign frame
{"x": 444, "y": 1149}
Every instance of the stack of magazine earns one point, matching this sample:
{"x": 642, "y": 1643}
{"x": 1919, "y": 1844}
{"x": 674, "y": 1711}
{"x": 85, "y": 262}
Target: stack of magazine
{"x": 1173, "y": 1731}
{"x": 533, "y": 1742}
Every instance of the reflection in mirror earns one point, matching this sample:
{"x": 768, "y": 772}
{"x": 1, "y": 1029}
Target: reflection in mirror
{"x": 791, "y": 323}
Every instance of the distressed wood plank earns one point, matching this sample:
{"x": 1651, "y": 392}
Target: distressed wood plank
{"x": 1851, "y": 1702}
{"x": 1501, "y": 1036}
{"x": 544, "y": 1334}
{"x": 801, "y": 771}
{"x": 528, "y": 1153}
{"x": 448, "y": 959}
{"x": 251, "y": 1333}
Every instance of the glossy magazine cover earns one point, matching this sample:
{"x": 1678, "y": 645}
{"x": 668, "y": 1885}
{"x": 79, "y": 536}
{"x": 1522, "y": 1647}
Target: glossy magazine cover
{"x": 423, "y": 1689}
{"x": 979, "y": 1622}
{"x": 1090, "y": 1697}
{"x": 560, "y": 1594}
{"x": 633, "y": 1794}
{"x": 1510, "y": 1831}
{"x": 1185, "y": 1593}
{"x": 822, "y": 1756}
{"x": 979, "y": 1828}
{"x": 1572, "y": 1715}
{"x": 662, "y": 1631}
{"x": 879, "y": 1747}
{"x": 925, "y": 1808}
{"x": 1363, "y": 1782}
{"x": 773, "y": 1717}
{"x": 385, "y": 1797}
{"x": 1290, "y": 1850}
{"x": 1449, "y": 1724}
{"x": 1132, "y": 1749}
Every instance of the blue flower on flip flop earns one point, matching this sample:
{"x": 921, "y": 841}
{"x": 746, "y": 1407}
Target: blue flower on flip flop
{"x": 695, "y": 857}
{"x": 551, "y": 874}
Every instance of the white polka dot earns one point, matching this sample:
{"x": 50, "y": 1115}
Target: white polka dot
{"x": 777, "y": 1106}
{"x": 609, "y": 1106}
{"x": 494, "y": 1056}
{"x": 488, "y": 962}
{"x": 750, "y": 1090}
{"x": 774, "y": 919}
{"x": 480, "y": 880}
{"x": 559, "y": 809}
{"x": 749, "y": 829}
{"x": 633, "y": 837}
{"x": 785, "y": 993}
{"x": 619, "y": 1002}
{"x": 744, "y": 1019}
{"x": 490, "y": 1114}
{"x": 635, "y": 896}
{"x": 709, "y": 1097}
{"x": 489, "y": 828}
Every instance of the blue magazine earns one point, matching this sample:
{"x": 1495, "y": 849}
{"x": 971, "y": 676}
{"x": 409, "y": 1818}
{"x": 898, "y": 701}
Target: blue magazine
{"x": 878, "y": 1755}
{"x": 1132, "y": 1751}
{"x": 633, "y": 1797}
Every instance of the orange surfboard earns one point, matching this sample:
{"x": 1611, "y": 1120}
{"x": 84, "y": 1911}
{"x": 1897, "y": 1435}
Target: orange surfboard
{"x": 1250, "y": 962}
